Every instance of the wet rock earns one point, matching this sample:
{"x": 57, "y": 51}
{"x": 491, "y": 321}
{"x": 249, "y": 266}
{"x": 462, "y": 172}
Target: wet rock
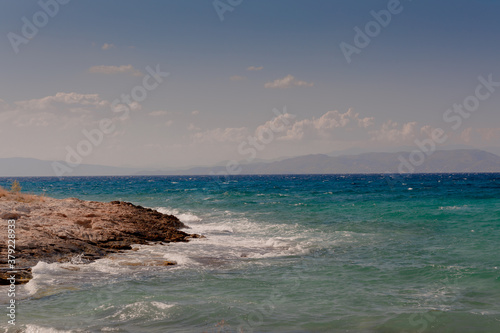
{"x": 10, "y": 216}
{"x": 58, "y": 230}
{"x": 20, "y": 276}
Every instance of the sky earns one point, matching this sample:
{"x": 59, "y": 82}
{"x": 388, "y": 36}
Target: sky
{"x": 169, "y": 84}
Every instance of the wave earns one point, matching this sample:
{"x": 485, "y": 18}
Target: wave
{"x": 39, "y": 329}
{"x": 142, "y": 310}
{"x": 183, "y": 217}
{"x": 463, "y": 207}
{"x": 231, "y": 238}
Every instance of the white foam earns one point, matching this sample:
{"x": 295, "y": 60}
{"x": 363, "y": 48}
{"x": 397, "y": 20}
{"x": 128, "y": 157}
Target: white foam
{"x": 38, "y": 329}
{"x": 31, "y": 287}
{"x": 454, "y": 207}
{"x": 54, "y": 278}
{"x": 43, "y": 268}
{"x": 161, "y": 305}
{"x": 142, "y": 310}
{"x": 179, "y": 259}
{"x": 183, "y": 217}
{"x": 231, "y": 238}
{"x": 211, "y": 228}
{"x": 44, "y": 274}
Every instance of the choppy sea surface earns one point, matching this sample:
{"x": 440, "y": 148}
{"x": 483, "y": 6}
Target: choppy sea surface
{"x": 304, "y": 253}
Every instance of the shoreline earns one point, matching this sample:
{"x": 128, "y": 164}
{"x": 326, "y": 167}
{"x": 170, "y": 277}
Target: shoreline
{"x": 57, "y": 230}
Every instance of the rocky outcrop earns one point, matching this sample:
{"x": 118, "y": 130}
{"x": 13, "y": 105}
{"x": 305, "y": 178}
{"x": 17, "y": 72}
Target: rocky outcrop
{"x": 51, "y": 230}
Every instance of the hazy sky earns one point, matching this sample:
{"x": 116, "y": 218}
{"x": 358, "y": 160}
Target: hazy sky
{"x": 339, "y": 74}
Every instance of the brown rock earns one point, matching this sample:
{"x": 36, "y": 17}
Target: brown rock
{"x": 20, "y": 276}
{"x": 10, "y": 216}
{"x": 58, "y": 230}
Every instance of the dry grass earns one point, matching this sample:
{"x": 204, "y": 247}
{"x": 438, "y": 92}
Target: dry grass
{"x": 3, "y": 192}
{"x": 15, "y": 187}
{"x": 21, "y": 197}
{"x": 28, "y": 198}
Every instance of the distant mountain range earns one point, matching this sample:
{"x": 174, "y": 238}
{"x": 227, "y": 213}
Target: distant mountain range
{"x": 31, "y": 167}
{"x": 442, "y": 161}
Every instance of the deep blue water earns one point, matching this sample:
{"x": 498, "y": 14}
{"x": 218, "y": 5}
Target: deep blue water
{"x": 294, "y": 253}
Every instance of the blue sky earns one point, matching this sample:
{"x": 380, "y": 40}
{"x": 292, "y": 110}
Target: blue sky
{"x": 226, "y": 77}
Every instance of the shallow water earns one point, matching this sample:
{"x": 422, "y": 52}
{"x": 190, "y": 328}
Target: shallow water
{"x": 309, "y": 253}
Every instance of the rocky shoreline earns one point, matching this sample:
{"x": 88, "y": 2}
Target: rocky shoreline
{"x": 57, "y": 230}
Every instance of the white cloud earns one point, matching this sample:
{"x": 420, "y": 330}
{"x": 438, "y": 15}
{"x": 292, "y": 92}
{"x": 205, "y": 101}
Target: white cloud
{"x": 7, "y": 115}
{"x": 466, "y": 135}
{"x": 281, "y": 123}
{"x": 326, "y": 127}
{"x": 391, "y": 131}
{"x": 364, "y": 122}
{"x": 287, "y": 82}
{"x": 107, "y": 46}
{"x": 125, "y": 69}
{"x": 122, "y": 108}
{"x": 42, "y": 119}
{"x": 192, "y": 127}
{"x": 331, "y": 125}
{"x": 195, "y": 112}
{"x": 489, "y": 135}
{"x": 169, "y": 123}
{"x": 63, "y": 110}
{"x": 254, "y": 68}
{"x": 481, "y": 135}
{"x": 237, "y": 78}
{"x": 67, "y": 99}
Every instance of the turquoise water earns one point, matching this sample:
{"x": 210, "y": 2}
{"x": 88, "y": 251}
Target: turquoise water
{"x": 308, "y": 253}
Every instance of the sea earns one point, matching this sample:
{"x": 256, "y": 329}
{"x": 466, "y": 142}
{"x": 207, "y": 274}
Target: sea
{"x": 282, "y": 253}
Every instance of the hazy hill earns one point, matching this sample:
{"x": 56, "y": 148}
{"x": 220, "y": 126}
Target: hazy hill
{"x": 463, "y": 160}
{"x": 31, "y": 167}
{"x": 442, "y": 161}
